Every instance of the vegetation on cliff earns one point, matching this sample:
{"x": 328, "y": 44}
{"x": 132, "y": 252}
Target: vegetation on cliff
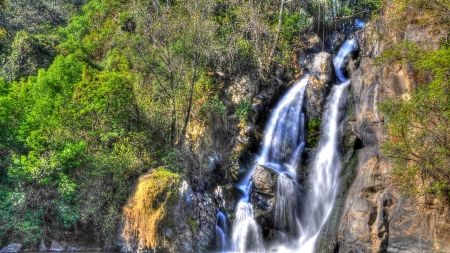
{"x": 419, "y": 126}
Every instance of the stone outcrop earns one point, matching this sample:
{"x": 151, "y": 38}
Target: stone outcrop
{"x": 12, "y": 248}
{"x": 263, "y": 196}
{"x": 227, "y": 197}
{"x": 192, "y": 230}
{"x": 334, "y": 41}
{"x": 319, "y": 84}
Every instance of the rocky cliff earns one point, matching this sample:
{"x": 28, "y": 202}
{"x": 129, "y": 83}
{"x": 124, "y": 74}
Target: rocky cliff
{"x": 371, "y": 214}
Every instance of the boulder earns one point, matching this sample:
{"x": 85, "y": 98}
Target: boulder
{"x": 263, "y": 195}
{"x": 265, "y": 180}
{"x": 227, "y": 196}
{"x": 12, "y": 248}
{"x": 242, "y": 89}
{"x": 58, "y": 246}
{"x": 319, "y": 84}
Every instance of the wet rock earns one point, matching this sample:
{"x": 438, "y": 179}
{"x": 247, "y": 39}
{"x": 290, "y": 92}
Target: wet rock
{"x": 319, "y": 84}
{"x": 265, "y": 180}
{"x": 58, "y": 246}
{"x": 214, "y": 162}
{"x": 238, "y": 170}
{"x": 263, "y": 196}
{"x": 227, "y": 197}
{"x": 334, "y": 41}
{"x": 12, "y": 248}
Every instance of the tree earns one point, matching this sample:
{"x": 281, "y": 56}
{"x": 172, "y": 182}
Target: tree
{"x": 419, "y": 128}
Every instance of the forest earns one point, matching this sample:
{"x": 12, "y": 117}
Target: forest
{"x": 96, "y": 93}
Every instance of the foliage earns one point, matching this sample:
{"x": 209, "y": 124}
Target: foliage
{"x": 244, "y": 111}
{"x": 419, "y": 127}
{"x": 314, "y": 131}
{"x": 192, "y": 224}
{"x": 146, "y": 214}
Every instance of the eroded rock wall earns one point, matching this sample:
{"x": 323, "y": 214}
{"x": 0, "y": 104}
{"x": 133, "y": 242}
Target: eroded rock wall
{"x": 372, "y": 214}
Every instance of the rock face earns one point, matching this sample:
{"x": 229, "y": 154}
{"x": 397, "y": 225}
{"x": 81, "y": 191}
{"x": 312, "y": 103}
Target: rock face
{"x": 335, "y": 40}
{"x": 227, "y": 196}
{"x": 12, "y": 248}
{"x": 195, "y": 218}
{"x": 319, "y": 84}
{"x": 263, "y": 196}
{"x": 371, "y": 215}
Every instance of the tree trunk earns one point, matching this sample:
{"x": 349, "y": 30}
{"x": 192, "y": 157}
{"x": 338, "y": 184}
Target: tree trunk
{"x": 277, "y": 36}
{"x": 174, "y": 122}
{"x": 188, "y": 114}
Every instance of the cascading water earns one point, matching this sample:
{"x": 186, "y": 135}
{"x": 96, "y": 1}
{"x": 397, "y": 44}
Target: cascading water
{"x": 339, "y": 60}
{"x": 221, "y": 232}
{"x": 324, "y": 174}
{"x": 247, "y": 234}
{"x": 284, "y": 142}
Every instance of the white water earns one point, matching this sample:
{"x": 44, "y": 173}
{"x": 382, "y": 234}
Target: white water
{"x": 221, "y": 232}
{"x": 283, "y": 143}
{"x": 338, "y": 61}
{"x": 324, "y": 174}
{"x": 286, "y": 205}
{"x": 246, "y": 236}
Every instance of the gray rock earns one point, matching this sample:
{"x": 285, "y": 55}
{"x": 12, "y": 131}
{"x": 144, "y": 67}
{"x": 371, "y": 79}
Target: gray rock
{"x": 319, "y": 84}
{"x": 375, "y": 216}
{"x": 12, "y": 248}
{"x": 263, "y": 195}
{"x": 227, "y": 196}
{"x": 334, "y": 41}
{"x": 265, "y": 180}
{"x": 58, "y": 246}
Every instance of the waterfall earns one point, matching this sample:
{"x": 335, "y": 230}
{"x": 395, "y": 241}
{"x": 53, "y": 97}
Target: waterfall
{"x": 299, "y": 219}
{"x": 221, "y": 232}
{"x": 324, "y": 174}
{"x": 286, "y": 205}
{"x": 339, "y": 60}
{"x": 247, "y": 236}
{"x": 285, "y": 138}
{"x": 283, "y": 143}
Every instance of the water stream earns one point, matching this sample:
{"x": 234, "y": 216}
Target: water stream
{"x": 284, "y": 141}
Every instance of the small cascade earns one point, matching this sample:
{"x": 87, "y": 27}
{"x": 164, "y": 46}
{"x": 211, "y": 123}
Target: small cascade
{"x": 285, "y": 135}
{"x": 286, "y": 205}
{"x": 221, "y": 232}
{"x": 339, "y": 60}
{"x": 247, "y": 235}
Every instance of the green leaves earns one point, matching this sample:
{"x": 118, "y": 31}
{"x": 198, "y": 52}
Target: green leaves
{"x": 419, "y": 128}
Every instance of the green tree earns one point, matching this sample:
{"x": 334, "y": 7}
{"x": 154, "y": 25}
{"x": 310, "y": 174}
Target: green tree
{"x": 419, "y": 127}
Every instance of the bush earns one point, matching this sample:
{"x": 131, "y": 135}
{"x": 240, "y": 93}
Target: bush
{"x": 419, "y": 127}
